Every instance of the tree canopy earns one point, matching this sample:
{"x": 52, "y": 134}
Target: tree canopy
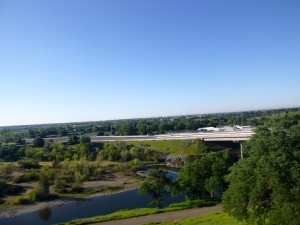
{"x": 265, "y": 187}
{"x": 155, "y": 185}
{"x": 204, "y": 175}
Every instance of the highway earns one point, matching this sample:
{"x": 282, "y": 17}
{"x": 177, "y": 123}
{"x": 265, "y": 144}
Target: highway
{"x": 206, "y": 136}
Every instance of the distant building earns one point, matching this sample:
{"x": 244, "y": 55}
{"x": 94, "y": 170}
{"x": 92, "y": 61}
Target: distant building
{"x": 229, "y": 128}
{"x": 226, "y": 129}
{"x": 208, "y": 129}
{"x": 244, "y": 128}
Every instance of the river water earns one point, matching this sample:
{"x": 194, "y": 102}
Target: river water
{"x": 99, "y": 205}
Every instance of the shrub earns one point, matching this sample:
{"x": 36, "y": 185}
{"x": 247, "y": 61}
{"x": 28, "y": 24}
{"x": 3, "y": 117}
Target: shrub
{"x": 31, "y": 176}
{"x": 21, "y": 200}
{"x": 77, "y": 187}
{"x": 28, "y": 164}
{"x": 33, "y": 195}
{"x": 6, "y": 171}
{"x": 27, "y": 177}
{"x": 38, "y": 194}
{"x": 60, "y": 186}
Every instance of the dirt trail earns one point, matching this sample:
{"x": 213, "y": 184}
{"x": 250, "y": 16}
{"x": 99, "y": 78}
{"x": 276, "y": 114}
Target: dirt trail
{"x": 164, "y": 216}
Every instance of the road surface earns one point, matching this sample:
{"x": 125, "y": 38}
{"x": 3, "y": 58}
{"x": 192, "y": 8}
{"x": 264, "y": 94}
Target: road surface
{"x": 164, "y": 216}
{"x": 206, "y": 136}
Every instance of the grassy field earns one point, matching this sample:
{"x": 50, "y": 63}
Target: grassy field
{"x": 184, "y": 147}
{"x": 207, "y": 219}
{"x": 125, "y": 214}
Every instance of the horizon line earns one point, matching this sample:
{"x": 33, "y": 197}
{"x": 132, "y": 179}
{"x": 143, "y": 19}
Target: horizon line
{"x": 137, "y": 118}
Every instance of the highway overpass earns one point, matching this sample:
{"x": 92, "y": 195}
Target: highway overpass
{"x": 209, "y": 136}
{"x": 206, "y": 136}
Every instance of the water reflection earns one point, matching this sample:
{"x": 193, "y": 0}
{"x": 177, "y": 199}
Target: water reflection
{"x": 45, "y": 213}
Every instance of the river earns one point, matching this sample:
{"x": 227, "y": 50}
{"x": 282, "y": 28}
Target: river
{"x": 99, "y": 205}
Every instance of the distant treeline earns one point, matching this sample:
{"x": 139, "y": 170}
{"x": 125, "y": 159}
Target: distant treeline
{"x": 145, "y": 126}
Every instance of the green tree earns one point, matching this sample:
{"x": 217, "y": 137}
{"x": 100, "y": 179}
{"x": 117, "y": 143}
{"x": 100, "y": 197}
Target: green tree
{"x": 28, "y": 164}
{"x": 38, "y": 142}
{"x": 200, "y": 146}
{"x": 35, "y": 153}
{"x": 162, "y": 127}
{"x": 266, "y": 185}
{"x": 60, "y": 185}
{"x": 73, "y": 140}
{"x": 48, "y": 146}
{"x": 7, "y": 170}
{"x": 155, "y": 185}
{"x": 85, "y": 140}
{"x": 58, "y": 152}
{"x": 205, "y": 174}
{"x": 141, "y": 128}
{"x": 46, "y": 178}
{"x": 124, "y": 128}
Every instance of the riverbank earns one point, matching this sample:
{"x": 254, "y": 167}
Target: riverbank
{"x": 121, "y": 216}
{"x": 22, "y": 209}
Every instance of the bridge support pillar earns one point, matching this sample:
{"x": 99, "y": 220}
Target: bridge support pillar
{"x": 241, "y": 146}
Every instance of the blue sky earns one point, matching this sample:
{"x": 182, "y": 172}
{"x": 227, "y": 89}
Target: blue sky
{"x": 63, "y": 61}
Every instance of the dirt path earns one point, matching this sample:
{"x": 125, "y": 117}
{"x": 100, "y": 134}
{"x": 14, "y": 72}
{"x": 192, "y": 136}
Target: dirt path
{"x": 165, "y": 216}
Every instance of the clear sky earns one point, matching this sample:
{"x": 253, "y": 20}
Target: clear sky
{"x": 63, "y": 61}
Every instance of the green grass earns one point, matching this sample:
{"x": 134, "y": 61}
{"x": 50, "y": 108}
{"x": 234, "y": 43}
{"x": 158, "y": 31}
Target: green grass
{"x": 206, "y": 219}
{"x": 125, "y": 214}
{"x": 184, "y": 147}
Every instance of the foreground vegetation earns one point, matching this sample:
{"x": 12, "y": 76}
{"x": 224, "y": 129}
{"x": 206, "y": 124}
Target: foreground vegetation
{"x": 207, "y": 219}
{"x": 125, "y": 214}
{"x": 265, "y": 187}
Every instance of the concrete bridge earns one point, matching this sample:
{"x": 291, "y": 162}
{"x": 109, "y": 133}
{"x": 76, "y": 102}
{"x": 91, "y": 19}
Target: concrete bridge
{"x": 236, "y": 136}
{"x": 206, "y": 136}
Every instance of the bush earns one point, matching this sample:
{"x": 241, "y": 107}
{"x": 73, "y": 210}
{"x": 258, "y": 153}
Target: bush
{"x": 98, "y": 172}
{"x": 6, "y": 171}
{"x": 21, "y": 200}
{"x": 60, "y": 186}
{"x": 31, "y": 176}
{"x": 77, "y": 187}
{"x": 28, "y": 164}
{"x": 33, "y": 195}
{"x": 37, "y": 195}
{"x": 27, "y": 177}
